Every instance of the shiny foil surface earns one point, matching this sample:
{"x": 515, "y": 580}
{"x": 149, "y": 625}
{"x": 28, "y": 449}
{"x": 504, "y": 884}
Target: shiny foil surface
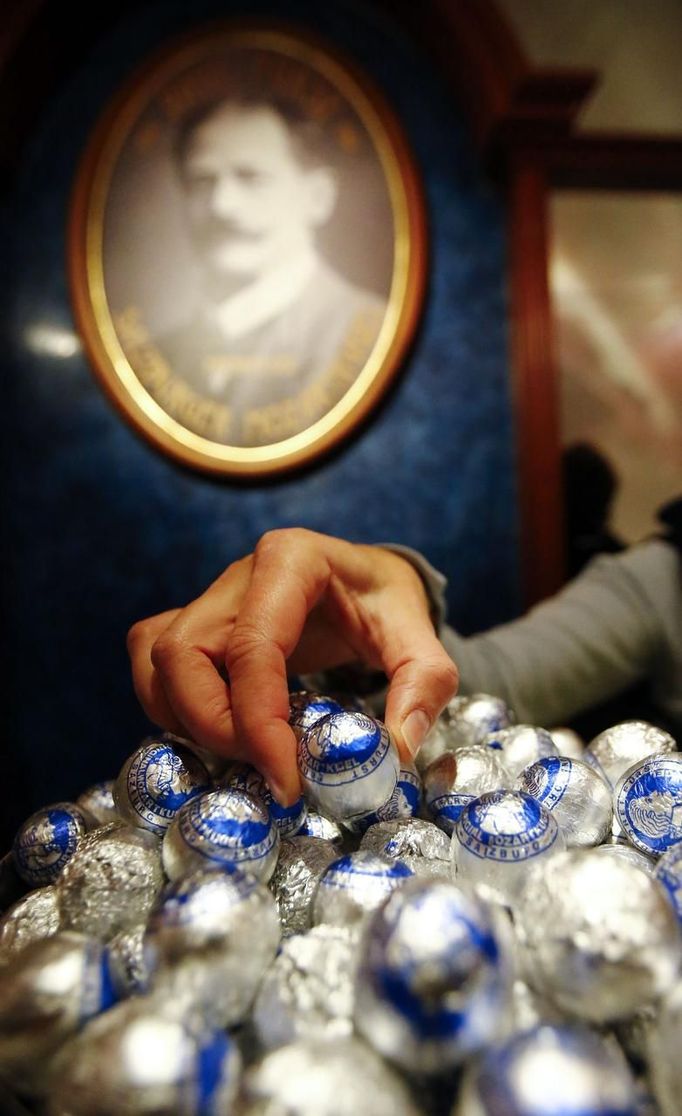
{"x": 456, "y": 779}
{"x": 156, "y": 780}
{"x": 307, "y": 707}
{"x": 668, "y": 870}
{"x": 218, "y": 828}
{"x": 519, "y": 745}
{"x": 111, "y": 882}
{"x": 472, "y": 717}
{"x": 127, "y": 963}
{"x": 301, "y": 864}
{"x": 47, "y": 840}
{"x": 244, "y": 777}
{"x": 98, "y": 801}
{"x": 135, "y": 1060}
{"x": 308, "y": 992}
{"x": 575, "y": 793}
{"x": 600, "y": 935}
{"x": 648, "y": 803}
{"x": 622, "y": 745}
{"x": 405, "y": 802}
{"x": 355, "y": 885}
{"x": 348, "y": 765}
{"x": 663, "y": 1049}
{"x": 30, "y": 919}
{"x": 407, "y": 837}
{"x": 317, "y": 825}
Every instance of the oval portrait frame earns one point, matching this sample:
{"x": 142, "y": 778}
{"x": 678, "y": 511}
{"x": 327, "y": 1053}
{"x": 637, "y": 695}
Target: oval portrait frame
{"x": 143, "y": 383}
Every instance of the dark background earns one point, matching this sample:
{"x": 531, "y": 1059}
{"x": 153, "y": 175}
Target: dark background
{"x": 101, "y": 529}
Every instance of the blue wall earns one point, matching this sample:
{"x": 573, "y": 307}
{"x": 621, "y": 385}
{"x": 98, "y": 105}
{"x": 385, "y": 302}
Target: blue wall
{"x": 103, "y": 530}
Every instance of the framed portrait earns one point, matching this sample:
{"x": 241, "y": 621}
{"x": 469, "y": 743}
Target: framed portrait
{"x": 247, "y": 248}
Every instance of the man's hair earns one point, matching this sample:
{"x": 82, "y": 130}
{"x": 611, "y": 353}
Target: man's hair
{"x": 311, "y": 146}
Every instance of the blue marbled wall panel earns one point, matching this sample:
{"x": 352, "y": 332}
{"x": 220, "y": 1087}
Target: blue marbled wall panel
{"x": 103, "y": 529}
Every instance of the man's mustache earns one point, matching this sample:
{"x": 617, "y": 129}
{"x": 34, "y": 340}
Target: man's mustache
{"x": 212, "y": 230}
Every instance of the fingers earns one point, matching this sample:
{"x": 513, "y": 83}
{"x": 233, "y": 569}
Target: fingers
{"x": 146, "y": 682}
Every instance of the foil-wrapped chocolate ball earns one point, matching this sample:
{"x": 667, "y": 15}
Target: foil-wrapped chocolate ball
{"x": 648, "y": 803}
{"x": 127, "y": 963}
{"x": 622, "y": 745}
{"x": 51, "y": 988}
{"x": 30, "y": 919}
{"x": 135, "y": 1061}
{"x": 317, "y": 825}
{"x": 209, "y": 940}
{"x": 302, "y": 862}
{"x": 457, "y": 778}
{"x": 308, "y": 991}
{"x": 218, "y": 828}
{"x": 348, "y": 765}
{"x": 600, "y": 936}
{"x": 306, "y": 708}
{"x": 472, "y": 717}
{"x": 520, "y": 745}
{"x": 577, "y": 796}
{"x": 405, "y": 802}
{"x": 215, "y": 764}
{"x": 663, "y": 1049}
{"x": 355, "y": 885}
{"x": 668, "y": 870}
{"x": 156, "y": 780}
{"x": 496, "y": 837}
{"x": 432, "y": 982}
{"x": 313, "y": 1077}
{"x": 111, "y": 881}
{"x": 244, "y": 777}
{"x": 98, "y": 802}
{"x": 407, "y": 837}
{"x": 549, "y": 1071}
{"x": 46, "y": 841}
{"x": 568, "y": 742}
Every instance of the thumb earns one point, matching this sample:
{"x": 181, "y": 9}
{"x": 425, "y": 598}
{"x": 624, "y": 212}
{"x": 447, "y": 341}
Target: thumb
{"x": 420, "y": 687}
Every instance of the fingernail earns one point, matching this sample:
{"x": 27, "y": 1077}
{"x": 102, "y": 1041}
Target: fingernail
{"x": 414, "y": 728}
{"x": 283, "y": 796}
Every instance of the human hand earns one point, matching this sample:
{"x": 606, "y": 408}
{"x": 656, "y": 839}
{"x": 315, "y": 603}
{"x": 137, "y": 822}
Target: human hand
{"x": 304, "y": 602}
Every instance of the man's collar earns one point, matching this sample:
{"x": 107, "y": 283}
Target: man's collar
{"x": 266, "y": 298}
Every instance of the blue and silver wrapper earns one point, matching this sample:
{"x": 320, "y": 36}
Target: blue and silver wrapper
{"x": 432, "y": 982}
{"x": 455, "y": 779}
{"x": 616, "y": 749}
{"x": 209, "y": 940}
{"x": 355, "y": 885}
{"x": 306, "y": 709}
{"x": 600, "y": 936}
{"x": 669, "y": 871}
{"x": 577, "y": 796}
{"x": 127, "y": 963}
{"x": 301, "y": 864}
{"x": 418, "y": 843}
{"x": 111, "y": 882}
{"x": 48, "y": 992}
{"x": 244, "y": 777}
{"x": 472, "y": 717}
{"x": 313, "y": 1077}
{"x": 216, "y": 765}
{"x": 550, "y": 1071}
{"x": 324, "y": 829}
{"x": 495, "y": 839}
{"x": 348, "y": 765}
{"x": 31, "y": 919}
{"x": 98, "y": 802}
{"x": 648, "y": 803}
{"x": 405, "y": 802}
{"x": 222, "y": 828}
{"x": 309, "y": 990}
{"x": 46, "y": 841}
{"x": 155, "y": 781}
{"x": 521, "y": 745}
{"x": 137, "y": 1060}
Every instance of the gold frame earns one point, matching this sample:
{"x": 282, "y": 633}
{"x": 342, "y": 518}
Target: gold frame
{"x": 87, "y": 266}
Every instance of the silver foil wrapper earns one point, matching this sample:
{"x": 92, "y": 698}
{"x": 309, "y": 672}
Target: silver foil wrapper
{"x": 317, "y": 825}
{"x": 98, "y": 801}
{"x": 472, "y": 717}
{"x": 439, "y": 740}
{"x": 497, "y": 837}
{"x": 405, "y": 802}
{"x": 222, "y": 828}
{"x": 575, "y": 793}
{"x": 308, "y": 992}
{"x": 215, "y": 764}
{"x": 244, "y": 777}
{"x": 307, "y": 707}
{"x": 600, "y": 936}
{"x": 127, "y": 963}
{"x": 568, "y": 742}
{"x": 317, "y": 1078}
{"x": 156, "y": 780}
{"x": 663, "y": 1050}
{"x": 209, "y": 940}
{"x": 353, "y": 886}
{"x": 519, "y": 745}
{"x": 668, "y": 870}
{"x": 51, "y": 988}
{"x": 648, "y": 803}
{"x": 457, "y": 778}
{"x": 348, "y": 765}
{"x": 624, "y": 744}
{"x": 46, "y": 841}
{"x": 301, "y": 864}
{"x": 30, "y": 919}
{"x": 432, "y": 981}
{"x": 135, "y": 1061}
{"x": 407, "y": 837}
{"x": 551, "y": 1069}
{"x": 621, "y": 850}
{"x": 111, "y": 882}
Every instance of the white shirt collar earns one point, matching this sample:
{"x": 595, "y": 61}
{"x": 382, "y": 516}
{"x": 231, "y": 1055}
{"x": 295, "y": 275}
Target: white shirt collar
{"x": 266, "y": 298}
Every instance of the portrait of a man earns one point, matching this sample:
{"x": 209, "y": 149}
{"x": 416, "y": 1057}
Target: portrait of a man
{"x": 251, "y": 225}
